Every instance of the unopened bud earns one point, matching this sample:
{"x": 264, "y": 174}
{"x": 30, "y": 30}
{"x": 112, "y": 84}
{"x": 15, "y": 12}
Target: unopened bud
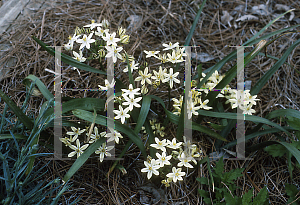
{"x": 125, "y": 39}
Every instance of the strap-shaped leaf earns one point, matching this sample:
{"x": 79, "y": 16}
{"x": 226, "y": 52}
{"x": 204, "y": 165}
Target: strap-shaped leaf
{"x": 247, "y": 117}
{"x": 46, "y": 93}
{"x": 67, "y": 59}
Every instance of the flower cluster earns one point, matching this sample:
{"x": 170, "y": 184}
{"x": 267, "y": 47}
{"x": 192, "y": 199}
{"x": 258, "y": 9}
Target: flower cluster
{"x": 185, "y": 157}
{"x": 98, "y": 39}
{"x": 78, "y": 149}
{"x": 227, "y": 92}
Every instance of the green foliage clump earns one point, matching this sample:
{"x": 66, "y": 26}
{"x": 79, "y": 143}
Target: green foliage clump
{"x": 224, "y": 186}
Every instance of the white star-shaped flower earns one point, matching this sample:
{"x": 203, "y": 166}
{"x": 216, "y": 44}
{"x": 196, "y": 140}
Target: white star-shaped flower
{"x": 173, "y": 144}
{"x": 122, "y": 114}
{"x": 75, "y": 132}
{"x": 160, "y": 75}
{"x": 107, "y": 85}
{"x": 79, "y": 56}
{"x": 85, "y": 41}
{"x": 160, "y": 144}
{"x": 114, "y": 137}
{"x": 151, "y": 53}
{"x": 103, "y": 151}
{"x": 77, "y": 149}
{"x": 114, "y": 52}
{"x": 133, "y": 66}
{"x": 248, "y": 110}
{"x": 176, "y": 174}
{"x": 132, "y": 102}
{"x": 110, "y": 39}
{"x": 184, "y": 161}
{"x": 151, "y": 168}
{"x": 93, "y": 24}
{"x": 100, "y": 32}
{"x": 171, "y": 78}
{"x": 163, "y": 159}
{"x": 204, "y": 104}
{"x": 94, "y": 137}
{"x": 191, "y": 109}
{"x": 173, "y": 58}
{"x": 131, "y": 92}
{"x": 170, "y": 46}
{"x": 72, "y": 39}
{"x": 144, "y": 77}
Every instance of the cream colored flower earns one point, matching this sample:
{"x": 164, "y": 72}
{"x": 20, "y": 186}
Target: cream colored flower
{"x": 93, "y": 24}
{"x": 176, "y": 174}
{"x": 173, "y": 144}
{"x": 76, "y": 133}
{"x": 103, "y": 151}
{"x": 151, "y": 168}
{"x": 171, "y": 78}
{"x": 122, "y": 114}
{"x": 77, "y": 149}
{"x": 151, "y": 53}
{"x": 163, "y": 159}
{"x": 160, "y": 144}
{"x": 144, "y": 77}
{"x": 85, "y": 41}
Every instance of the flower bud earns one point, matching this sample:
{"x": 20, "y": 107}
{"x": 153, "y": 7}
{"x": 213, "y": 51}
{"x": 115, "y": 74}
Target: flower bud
{"x": 105, "y": 23}
{"x": 121, "y": 31}
{"x": 101, "y": 53}
{"x": 125, "y": 39}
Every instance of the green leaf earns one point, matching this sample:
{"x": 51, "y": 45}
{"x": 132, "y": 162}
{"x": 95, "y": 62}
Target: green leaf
{"x": 68, "y": 59}
{"x": 216, "y": 127}
{"x": 143, "y": 113}
{"x": 293, "y": 122}
{"x": 192, "y": 30}
{"x": 229, "y": 199}
{"x": 247, "y": 118}
{"x": 102, "y": 120}
{"x": 247, "y": 197}
{"x": 264, "y": 79}
{"x": 129, "y": 71}
{"x": 291, "y": 190}
{"x": 264, "y": 28}
{"x": 203, "y": 193}
{"x": 46, "y": 93}
{"x": 219, "y": 168}
{"x": 276, "y": 150}
{"x": 202, "y": 180}
{"x": 83, "y": 157}
{"x": 261, "y": 197}
{"x": 17, "y": 111}
{"x": 234, "y": 174}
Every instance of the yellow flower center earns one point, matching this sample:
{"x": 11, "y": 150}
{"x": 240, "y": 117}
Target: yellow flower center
{"x": 176, "y": 174}
{"x": 150, "y": 168}
{"x": 163, "y": 158}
